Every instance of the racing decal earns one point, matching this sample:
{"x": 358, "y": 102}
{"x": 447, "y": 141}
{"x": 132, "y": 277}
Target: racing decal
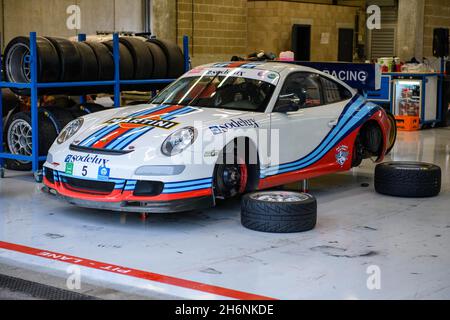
{"x": 92, "y": 159}
{"x": 119, "y": 133}
{"x": 342, "y": 155}
{"x": 234, "y": 124}
{"x": 69, "y": 168}
{"x": 238, "y": 64}
{"x": 355, "y": 114}
{"x": 131, "y": 123}
{"x": 243, "y": 71}
{"x": 103, "y": 173}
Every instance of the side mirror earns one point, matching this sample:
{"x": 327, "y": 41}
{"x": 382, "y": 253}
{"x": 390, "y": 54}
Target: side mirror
{"x": 288, "y": 103}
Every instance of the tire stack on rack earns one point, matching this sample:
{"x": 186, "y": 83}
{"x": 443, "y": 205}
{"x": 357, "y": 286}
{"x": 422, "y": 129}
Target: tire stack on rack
{"x": 63, "y": 60}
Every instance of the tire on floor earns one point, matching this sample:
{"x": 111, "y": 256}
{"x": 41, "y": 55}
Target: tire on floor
{"x": 408, "y": 179}
{"x": 279, "y": 211}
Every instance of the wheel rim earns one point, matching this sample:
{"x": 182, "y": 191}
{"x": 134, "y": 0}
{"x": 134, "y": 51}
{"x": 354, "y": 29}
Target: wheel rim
{"x": 20, "y": 138}
{"x": 19, "y": 55}
{"x": 411, "y": 165}
{"x": 231, "y": 180}
{"x": 279, "y": 196}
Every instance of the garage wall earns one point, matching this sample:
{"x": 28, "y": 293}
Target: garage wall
{"x": 270, "y": 25}
{"x": 217, "y": 28}
{"x": 437, "y": 15}
{"x": 48, "y": 17}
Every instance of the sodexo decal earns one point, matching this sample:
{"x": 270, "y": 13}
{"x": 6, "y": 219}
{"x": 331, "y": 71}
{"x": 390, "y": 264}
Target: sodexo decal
{"x": 86, "y": 159}
{"x": 234, "y": 124}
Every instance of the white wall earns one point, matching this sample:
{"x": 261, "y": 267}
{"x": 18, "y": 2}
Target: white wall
{"x": 48, "y": 17}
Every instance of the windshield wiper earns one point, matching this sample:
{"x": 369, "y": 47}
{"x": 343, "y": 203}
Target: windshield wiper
{"x": 201, "y": 92}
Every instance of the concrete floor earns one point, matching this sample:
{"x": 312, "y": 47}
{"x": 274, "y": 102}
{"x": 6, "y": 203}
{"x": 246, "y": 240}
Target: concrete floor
{"x": 407, "y": 239}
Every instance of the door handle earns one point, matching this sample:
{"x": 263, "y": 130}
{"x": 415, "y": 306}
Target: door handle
{"x": 333, "y": 123}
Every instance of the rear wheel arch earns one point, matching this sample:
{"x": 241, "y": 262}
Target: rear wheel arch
{"x": 370, "y": 142}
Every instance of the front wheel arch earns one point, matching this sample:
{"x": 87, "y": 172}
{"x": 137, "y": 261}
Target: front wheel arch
{"x": 250, "y": 159}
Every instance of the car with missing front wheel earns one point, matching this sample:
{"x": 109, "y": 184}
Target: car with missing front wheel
{"x": 219, "y": 131}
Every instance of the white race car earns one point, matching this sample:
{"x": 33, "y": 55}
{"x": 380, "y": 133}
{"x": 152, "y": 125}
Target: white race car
{"x": 218, "y": 131}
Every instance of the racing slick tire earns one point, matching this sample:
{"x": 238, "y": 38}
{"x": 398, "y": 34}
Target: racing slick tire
{"x": 83, "y": 109}
{"x": 126, "y": 60}
{"x": 105, "y": 62}
{"x": 70, "y": 59}
{"x": 174, "y": 56}
{"x": 17, "y": 67}
{"x": 408, "y": 179}
{"x": 159, "y": 61}
{"x": 89, "y": 64}
{"x": 279, "y": 212}
{"x": 142, "y": 57}
{"x": 60, "y": 117}
{"x": 18, "y": 138}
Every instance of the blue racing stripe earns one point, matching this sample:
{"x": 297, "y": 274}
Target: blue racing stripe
{"x": 137, "y": 133}
{"x": 187, "y": 189}
{"x": 188, "y": 183}
{"x": 117, "y": 143}
{"x": 92, "y": 139}
{"x": 357, "y": 121}
{"x": 347, "y": 115}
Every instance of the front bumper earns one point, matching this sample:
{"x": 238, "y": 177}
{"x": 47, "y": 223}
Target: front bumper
{"x": 173, "y": 206}
{"x": 190, "y": 195}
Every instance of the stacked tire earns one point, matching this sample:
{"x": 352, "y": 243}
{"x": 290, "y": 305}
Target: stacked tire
{"x": 62, "y": 60}
{"x": 52, "y": 120}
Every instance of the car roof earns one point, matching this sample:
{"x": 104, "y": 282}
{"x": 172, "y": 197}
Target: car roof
{"x": 260, "y": 65}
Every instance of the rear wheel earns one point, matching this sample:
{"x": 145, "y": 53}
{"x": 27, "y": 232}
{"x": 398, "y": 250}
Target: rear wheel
{"x": 393, "y": 133}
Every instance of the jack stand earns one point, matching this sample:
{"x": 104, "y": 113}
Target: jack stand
{"x": 144, "y": 216}
{"x": 305, "y": 186}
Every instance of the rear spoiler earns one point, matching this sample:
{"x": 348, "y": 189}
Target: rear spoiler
{"x": 360, "y": 76}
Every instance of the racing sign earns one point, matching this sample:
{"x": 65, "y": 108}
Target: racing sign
{"x": 360, "y": 76}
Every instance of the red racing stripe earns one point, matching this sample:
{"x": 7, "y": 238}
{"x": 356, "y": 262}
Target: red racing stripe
{"x": 145, "y": 275}
{"x": 103, "y": 142}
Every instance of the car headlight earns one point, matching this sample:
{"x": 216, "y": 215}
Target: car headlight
{"x": 179, "y": 141}
{"x": 70, "y": 130}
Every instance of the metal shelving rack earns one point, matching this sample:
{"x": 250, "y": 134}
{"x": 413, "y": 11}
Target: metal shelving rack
{"x": 34, "y": 87}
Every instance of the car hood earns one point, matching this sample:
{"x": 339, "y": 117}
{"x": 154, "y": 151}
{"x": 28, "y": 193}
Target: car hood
{"x": 125, "y": 129}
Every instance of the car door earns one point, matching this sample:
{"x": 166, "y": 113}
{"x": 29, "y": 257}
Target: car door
{"x": 301, "y": 132}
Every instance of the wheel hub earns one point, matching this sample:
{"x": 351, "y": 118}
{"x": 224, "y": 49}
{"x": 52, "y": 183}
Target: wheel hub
{"x": 279, "y": 196}
{"x": 19, "y": 138}
{"x": 231, "y": 176}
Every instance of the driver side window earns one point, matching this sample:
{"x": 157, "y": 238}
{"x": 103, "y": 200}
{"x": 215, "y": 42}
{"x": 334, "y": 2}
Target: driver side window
{"x": 306, "y": 87}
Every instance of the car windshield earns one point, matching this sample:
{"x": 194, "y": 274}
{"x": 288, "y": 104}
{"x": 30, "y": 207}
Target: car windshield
{"x": 218, "y": 91}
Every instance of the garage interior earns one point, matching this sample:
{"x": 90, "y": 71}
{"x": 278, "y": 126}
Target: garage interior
{"x": 208, "y": 254}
